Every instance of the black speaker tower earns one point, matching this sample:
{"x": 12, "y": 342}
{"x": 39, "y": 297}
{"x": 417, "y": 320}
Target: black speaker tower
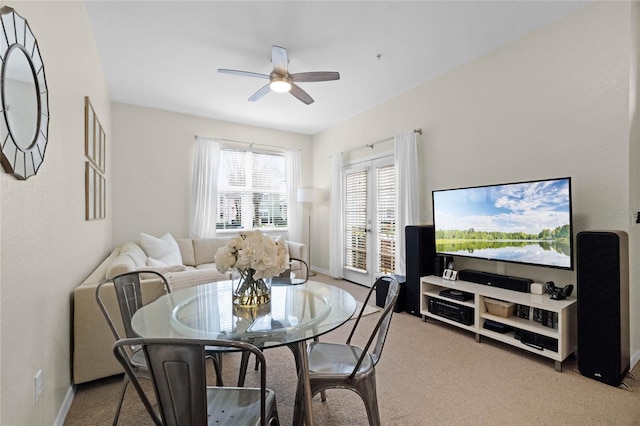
{"x": 421, "y": 257}
{"x": 603, "y": 305}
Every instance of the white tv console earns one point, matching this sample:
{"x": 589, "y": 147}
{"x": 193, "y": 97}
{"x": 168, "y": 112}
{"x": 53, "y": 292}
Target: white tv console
{"x": 563, "y": 330}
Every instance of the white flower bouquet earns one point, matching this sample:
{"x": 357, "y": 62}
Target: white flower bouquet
{"x": 256, "y": 257}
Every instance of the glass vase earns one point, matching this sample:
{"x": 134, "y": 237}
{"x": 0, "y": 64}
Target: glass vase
{"x": 249, "y": 291}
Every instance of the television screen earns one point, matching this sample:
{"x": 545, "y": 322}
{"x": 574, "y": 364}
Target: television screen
{"x": 524, "y": 222}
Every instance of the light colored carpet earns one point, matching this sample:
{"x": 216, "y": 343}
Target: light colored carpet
{"x": 429, "y": 374}
{"x": 368, "y": 310}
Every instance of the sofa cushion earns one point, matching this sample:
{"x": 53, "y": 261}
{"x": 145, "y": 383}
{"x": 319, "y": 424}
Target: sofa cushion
{"x": 186, "y": 251}
{"x": 205, "y": 249}
{"x": 164, "y": 249}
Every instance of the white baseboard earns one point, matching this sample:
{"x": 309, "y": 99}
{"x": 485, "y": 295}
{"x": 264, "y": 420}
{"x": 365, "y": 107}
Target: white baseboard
{"x": 634, "y": 359}
{"x": 322, "y": 271}
{"x": 66, "y": 405}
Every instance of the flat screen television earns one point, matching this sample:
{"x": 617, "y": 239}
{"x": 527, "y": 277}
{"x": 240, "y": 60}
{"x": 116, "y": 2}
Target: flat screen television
{"x": 522, "y": 222}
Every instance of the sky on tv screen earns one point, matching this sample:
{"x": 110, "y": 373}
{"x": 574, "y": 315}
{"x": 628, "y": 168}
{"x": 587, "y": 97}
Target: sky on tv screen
{"x": 520, "y": 207}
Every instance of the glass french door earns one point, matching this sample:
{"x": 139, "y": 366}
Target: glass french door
{"x": 369, "y": 219}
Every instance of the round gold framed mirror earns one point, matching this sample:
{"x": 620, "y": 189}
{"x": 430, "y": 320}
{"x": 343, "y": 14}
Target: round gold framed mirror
{"x": 25, "y": 104}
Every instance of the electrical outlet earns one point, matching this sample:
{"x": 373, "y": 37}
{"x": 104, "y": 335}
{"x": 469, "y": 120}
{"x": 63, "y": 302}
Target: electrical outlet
{"x": 38, "y": 384}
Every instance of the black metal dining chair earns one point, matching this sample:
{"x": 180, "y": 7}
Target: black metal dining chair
{"x": 178, "y": 372}
{"x": 346, "y": 366}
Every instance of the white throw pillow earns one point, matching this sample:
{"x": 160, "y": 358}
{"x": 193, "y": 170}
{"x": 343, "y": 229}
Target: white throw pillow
{"x": 153, "y": 263}
{"x": 164, "y": 249}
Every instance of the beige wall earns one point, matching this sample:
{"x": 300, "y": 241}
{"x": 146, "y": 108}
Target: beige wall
{"x": 554, "y": 103}
{"x": 153, "y": 166}
{"x": 47, "y": 248}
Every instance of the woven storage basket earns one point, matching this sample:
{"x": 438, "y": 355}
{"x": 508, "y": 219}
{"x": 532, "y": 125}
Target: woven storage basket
{"x": 499, "y": 307}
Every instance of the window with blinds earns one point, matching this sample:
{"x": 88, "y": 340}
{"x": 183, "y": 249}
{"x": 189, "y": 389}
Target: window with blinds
{"x": 252, "y": 190}
{"x": 386, "y": 213}
{"x": 355, "y": 220}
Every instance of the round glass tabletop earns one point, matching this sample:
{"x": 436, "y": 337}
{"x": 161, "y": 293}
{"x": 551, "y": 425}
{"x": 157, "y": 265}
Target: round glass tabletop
{"x": 295, "y": 313}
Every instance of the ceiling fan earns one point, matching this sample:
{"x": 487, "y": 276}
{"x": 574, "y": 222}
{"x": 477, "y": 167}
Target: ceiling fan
{"x": 281, "y": 81}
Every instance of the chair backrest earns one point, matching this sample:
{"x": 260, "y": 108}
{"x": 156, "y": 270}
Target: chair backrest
{"x": 128, "y": 292}
{"x": 379, "y": 333}
{"x": 287, "y": 278}
{"x": 305, "y": 269}
{"x": 177, "y": 368}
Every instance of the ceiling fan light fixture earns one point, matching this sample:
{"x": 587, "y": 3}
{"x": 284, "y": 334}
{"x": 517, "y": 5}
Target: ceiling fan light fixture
{"x": 280, "y": 84}
{"x": 281, "y": 81}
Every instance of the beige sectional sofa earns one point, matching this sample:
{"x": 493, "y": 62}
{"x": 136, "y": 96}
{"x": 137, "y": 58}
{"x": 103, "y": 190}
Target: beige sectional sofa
{"x": 92, "y": 338}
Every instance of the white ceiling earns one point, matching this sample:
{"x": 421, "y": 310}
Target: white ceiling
{"x": 164, "y": 54}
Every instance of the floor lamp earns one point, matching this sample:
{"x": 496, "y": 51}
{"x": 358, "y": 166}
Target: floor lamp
{"x": 310, "y": 196}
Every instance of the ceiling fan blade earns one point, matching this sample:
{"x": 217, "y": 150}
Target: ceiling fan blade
{"x": 301, "y": 94}
{"x": 243, "y": 73}
{"x": 260, "y": 93}
{"x": 279, "y": 60}
{"x": 306, "y": 77}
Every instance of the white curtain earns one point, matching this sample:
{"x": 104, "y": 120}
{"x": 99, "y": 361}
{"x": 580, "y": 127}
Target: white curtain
{"x": 336, "y": 243}
{"x": 405, "y": 158}
{"x": 204, "y": 188}
{"x": 292, "y": 173}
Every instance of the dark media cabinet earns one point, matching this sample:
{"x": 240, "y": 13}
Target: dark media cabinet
{"x": 536, "y": 323}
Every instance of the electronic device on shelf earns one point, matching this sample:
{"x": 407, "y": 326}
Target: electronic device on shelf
{"x": 496, "y": 326}
{"x": 558, "y": 293}
{"x": 536, "y": 341}
{"x": 452, "y": 311}
{"x": 455, "y": 294}
{"x": 450, "y": 274}
{"x": 523, "y": 222}
{"x": 496, "y": 280}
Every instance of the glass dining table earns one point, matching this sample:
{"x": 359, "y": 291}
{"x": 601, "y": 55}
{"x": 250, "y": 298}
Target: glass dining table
{"x": 296, "y": 314}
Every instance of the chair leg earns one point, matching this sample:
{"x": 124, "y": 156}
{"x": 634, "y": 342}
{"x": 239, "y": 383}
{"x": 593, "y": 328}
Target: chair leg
{"x": 323, "y": 394}
{"x": 125, "y": 383}
{"x": 244, "y": 362}
{"x": 298, "y": 413}
{"x": 216, "y": 360}
{"x": 274, "y": 418}
{"x": 143, "y": 397}
{"x": 367, "y": 390}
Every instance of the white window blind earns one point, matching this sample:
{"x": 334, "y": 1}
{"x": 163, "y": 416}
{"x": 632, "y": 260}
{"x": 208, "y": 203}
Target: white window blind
{"x": 355, "y": 220}
{"x": 252, "y": 190}
{"x": 386, "y": 213}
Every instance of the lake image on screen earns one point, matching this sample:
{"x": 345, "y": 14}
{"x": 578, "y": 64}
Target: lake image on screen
{"x": 522, "y": 222}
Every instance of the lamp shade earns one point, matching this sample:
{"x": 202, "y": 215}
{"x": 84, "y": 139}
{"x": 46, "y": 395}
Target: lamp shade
{"x": 309, "y": 195}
